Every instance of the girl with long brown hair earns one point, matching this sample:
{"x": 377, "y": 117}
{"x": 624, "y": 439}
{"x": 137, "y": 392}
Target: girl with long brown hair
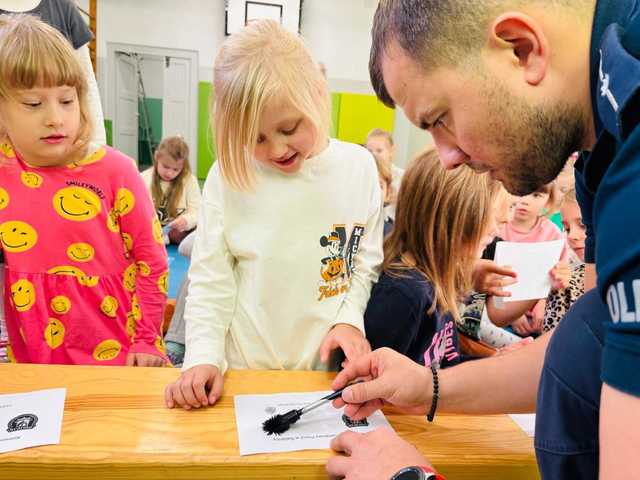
{"x": 174, "y": 189}
{"x": 443, "y": 222}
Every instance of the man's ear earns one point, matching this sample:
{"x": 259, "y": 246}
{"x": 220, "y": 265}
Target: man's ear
{"x": 525, "y": 38}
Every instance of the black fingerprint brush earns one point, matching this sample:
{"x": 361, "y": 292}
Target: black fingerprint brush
{"x": 278, "y": 424}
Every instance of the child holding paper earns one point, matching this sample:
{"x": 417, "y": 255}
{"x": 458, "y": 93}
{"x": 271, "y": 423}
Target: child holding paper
{"x": 530, "y": 224}
{"x": 428, "y": 264}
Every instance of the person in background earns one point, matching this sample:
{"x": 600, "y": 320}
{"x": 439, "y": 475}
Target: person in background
{"x": 530, "y": 224}
{"x": 380, "y": 143}
{"x": 388, "y": 194}
{"x": 174, "y": 189}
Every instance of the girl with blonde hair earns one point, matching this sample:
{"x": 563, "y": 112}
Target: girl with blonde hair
{"x": 85, "y": 268}
{"x": 174, "y": 189}
{"x": 443, "y": 222}
{"x": 290, "y": 239}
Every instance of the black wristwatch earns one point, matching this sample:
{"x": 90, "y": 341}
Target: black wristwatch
{"x": 415, "y": 473}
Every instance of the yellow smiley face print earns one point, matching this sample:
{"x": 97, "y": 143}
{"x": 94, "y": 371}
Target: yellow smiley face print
{"x": 7, "y": 150}
{"x": 10, "y": 355}
{"x": 113, "y": 221}
{"x": 54, "y": 333}
{"x": 17, "y": 236}
{"x": 107, "y": 350}
{"x": 129, "y": 277}
{"x": 131, "y": 325}
{"x": 60, "y": 304}
{"x": 143, "y": 268}
{"x": 135, "y": 308}
{"x": 31, "y": 180}
{"x": 4, "y": 198}
{"x": 83, "y": 278}
{"x": 109, "y": 306}
{"x": 163, "y": 283}
{"x": 125, "y": 201}
{"x": 127, "y": 242}
{"x": 156, "y": 229}
{"x": 76, "y": 203}
{"x": 89, "y": 159}
{"x": 159, "y": 343}
{"x": 23, "y": 295}
{"x": 80, "y": 252}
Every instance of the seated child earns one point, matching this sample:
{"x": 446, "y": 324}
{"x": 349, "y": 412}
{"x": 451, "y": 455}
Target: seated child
{"x": 530, "y": 224}
{"x": 174, "y": 189}
{"x": 443, "y": 222}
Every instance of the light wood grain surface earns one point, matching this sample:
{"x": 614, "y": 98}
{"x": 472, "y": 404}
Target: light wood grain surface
{"x": 117, "y": 427}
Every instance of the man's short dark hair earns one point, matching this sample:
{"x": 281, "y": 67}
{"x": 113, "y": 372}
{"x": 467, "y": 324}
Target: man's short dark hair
{"x": 437, "y": 32}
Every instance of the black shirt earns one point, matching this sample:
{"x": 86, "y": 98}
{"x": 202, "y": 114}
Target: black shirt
{"x": 396, "y": 317}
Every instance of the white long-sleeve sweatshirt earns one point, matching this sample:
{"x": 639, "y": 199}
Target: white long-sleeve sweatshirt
{"x": 273, "y": 270}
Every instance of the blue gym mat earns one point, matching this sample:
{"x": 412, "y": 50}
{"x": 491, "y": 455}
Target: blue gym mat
{"x": 178, "y": 266}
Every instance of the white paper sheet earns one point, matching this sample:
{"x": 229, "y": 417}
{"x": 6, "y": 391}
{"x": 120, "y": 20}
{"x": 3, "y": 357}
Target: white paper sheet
{"x": 526, "y": 422}
{"x": 532, "y": 262}
{"x": 31, "y": 419}
{"x": 314, "y": 430}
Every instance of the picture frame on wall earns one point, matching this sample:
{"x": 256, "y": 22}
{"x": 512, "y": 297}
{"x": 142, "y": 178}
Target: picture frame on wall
{"x": 240, "y": 12}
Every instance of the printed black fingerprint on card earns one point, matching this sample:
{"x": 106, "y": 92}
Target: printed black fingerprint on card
{"x": 354, "y": 423}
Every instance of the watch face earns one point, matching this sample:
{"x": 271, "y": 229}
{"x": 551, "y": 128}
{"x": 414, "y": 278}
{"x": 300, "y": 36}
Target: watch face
{"x": 409, "y": 473}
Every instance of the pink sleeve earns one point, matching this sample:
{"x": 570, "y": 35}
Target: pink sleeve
{"x": 150, "y": 257}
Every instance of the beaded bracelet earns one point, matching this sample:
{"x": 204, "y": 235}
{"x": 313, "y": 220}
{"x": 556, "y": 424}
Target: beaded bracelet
{"x": 436, "y": 393}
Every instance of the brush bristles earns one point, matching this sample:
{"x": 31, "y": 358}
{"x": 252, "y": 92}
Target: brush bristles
{"x": 278, "y": 424}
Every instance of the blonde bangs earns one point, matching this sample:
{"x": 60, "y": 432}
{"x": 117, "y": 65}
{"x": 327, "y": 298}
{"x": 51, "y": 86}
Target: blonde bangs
{"x": 35, "y": 55}
{"x": 261, "y": 63}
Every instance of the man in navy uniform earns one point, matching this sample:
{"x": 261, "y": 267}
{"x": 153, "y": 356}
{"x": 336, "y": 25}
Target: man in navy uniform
{"x": 513, "y": 87}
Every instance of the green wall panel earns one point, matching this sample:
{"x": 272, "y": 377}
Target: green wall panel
{"x": 206, "y": 144}
{"x": 108, "y": 129}
{"x": 359, "y": 114}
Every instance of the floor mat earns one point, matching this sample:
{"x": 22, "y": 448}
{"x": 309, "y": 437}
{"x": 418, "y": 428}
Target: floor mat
{"x": 178, "y": 266}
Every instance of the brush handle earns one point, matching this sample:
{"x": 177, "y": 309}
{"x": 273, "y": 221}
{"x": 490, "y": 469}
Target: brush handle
{"x": 323, "y": 400}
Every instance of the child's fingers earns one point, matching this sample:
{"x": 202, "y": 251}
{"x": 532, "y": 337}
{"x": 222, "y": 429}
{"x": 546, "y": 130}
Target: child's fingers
{"x": 178, "y": 397}
{"x": 199, "y": 390}
{"x": 168, "y": 396}
{"x": 328, "y": 344}
{"x": 186, "y": 388}
{"x": 499, "y": 293}
{"x": 216, "y": 389}
{"x": 131, "y": 360}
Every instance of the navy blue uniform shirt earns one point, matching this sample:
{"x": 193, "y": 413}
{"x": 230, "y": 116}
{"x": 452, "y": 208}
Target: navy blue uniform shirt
{"x": 608, "y": 186}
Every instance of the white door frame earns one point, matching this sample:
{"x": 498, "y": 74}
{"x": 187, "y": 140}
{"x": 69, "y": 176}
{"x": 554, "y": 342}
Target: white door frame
{"x": 189, "y": 55}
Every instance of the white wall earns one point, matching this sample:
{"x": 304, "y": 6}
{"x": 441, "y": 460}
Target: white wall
{"x": 338, "y": 33}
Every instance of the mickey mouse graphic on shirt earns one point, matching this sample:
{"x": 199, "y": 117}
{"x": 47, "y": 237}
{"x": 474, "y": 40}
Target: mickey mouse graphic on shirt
{"x": 337, "y": 266}
{"x": 333, "y": 265}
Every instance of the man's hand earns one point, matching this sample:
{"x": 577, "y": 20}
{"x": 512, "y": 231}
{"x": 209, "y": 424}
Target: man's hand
{"x": 373, "y": 455}
{"x": 392, "y": 378}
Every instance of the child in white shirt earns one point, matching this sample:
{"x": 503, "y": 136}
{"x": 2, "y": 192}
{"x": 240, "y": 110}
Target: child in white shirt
{"x": 290, "y": 237}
